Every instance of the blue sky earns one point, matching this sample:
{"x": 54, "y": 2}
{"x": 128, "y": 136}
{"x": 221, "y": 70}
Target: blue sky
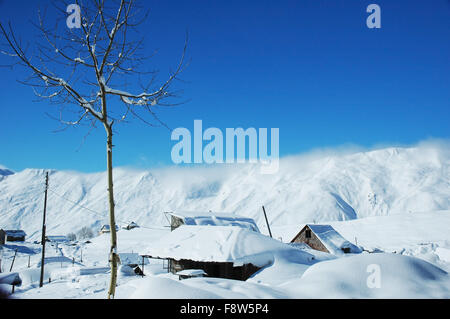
{"x": 310, "y": 68}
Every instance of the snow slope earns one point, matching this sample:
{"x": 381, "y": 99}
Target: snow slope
{"x": 312, "y": 188}
{"x": 5, "y": 171}
{"x": 354, "y": 277}
{"x": 289, "y": 276}
{"x": 401, "y": 236}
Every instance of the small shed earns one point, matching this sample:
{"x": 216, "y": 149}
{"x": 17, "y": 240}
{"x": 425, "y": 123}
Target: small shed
{"x": 229, "y": 252}
{"x": 11, "y": 278}
{"x": 191, "y": 273}
{"x": 2, "y": 237}
{"x": 107, "y": 229}
{"x": 130, "y": 226}
{"x": 15, "y": 235}
{"x": 57, "y": 239}
{"x": 325, "y": 238}
{"x": 210, "y": 218}
{"x": 131, "y": 259}
{"x": 130, "y": 263}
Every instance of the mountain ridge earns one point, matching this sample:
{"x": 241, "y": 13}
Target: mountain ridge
{"x": 318, "y": 187}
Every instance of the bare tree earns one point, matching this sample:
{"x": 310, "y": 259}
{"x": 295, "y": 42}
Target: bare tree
{"x": 71, "y": 236}
{"x": 85, "y": 233}
{"x": 84, "y": 67}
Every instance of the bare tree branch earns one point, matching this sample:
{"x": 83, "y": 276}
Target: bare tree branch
{"x": 79, "y": 68}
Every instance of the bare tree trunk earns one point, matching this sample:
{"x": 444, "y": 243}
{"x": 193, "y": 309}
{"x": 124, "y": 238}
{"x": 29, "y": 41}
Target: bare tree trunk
{"x": 108, "y": 52}
{"x": 112, "y": 221}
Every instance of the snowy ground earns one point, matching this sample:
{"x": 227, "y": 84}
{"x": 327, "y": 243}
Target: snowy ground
{"x": 413, "y": 261}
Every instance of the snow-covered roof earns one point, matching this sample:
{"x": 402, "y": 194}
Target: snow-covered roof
{"x": 11, "y": 278}
{"x": 107, "y": 227}
{"x": 192, "y": 272}
{"x": 332, "y": 240}
{"x": 15, "y": 233}
{"x": 216, "y": 244}
{"x": 57, "y": 238}
{"x": 130, "y": 259}
{"x": 216, "y": 219}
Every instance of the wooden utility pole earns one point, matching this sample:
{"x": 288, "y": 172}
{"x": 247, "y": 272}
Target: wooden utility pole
{"x": 41, "y": 281}
{"x": 267, "y": 222}
{"x": 14, "y": 259}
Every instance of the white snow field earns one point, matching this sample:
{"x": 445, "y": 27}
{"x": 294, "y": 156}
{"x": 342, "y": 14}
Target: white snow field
{"x": 394, "y": 203}
{"x": 399, "y": 277}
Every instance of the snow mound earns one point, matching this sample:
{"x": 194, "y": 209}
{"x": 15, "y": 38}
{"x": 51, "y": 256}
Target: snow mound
{"x": 218, "y": 244}
{"x": 372, "y": 276}
{"x": 162, "y": 287}
{"x": 443, "y": 254}
{"x": 125, "y": 270}
{"x": 165, "y": 288}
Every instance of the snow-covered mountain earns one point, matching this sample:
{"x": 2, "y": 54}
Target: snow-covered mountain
{"x": 5, "y": 172}
{"x": 317, "y": 187}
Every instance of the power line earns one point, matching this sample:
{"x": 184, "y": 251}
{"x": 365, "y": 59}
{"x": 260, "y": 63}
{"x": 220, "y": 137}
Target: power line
{"x": 9, "y": 211}
{"x": 100, "y": 214}
{"x": 13, "y": 210}
{"x": 77, "y": 204}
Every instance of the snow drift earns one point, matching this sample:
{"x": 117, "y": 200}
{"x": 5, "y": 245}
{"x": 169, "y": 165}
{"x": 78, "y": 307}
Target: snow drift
{"x": 219, "y": 244}
{"x": 354, "y": 277}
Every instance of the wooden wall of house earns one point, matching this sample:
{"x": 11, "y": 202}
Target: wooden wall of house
{"x": 15, "y": 238}
{"x": 175, "y": 222}
{"x": 2, "y": 237}
{"x": 215, "y": 269}
{"x": 313, "y": 242}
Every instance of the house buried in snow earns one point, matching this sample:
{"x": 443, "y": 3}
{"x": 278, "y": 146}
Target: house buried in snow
{"x": 130, "y": 226}
{"x": 15, "y": 235}
{"x": 325, "y": 238}
{"x": 107, "y": 229}
{"x": 210, "y": 218}
{"x": 57, "y": 239}
{"x": 229, "y": 252}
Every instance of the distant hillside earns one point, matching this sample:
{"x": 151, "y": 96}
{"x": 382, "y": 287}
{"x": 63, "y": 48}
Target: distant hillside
{"x": 5, "y": 172}
{"x": 307, "y": 188}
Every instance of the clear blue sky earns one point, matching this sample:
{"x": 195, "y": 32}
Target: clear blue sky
{"x": 312, "y": 68}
